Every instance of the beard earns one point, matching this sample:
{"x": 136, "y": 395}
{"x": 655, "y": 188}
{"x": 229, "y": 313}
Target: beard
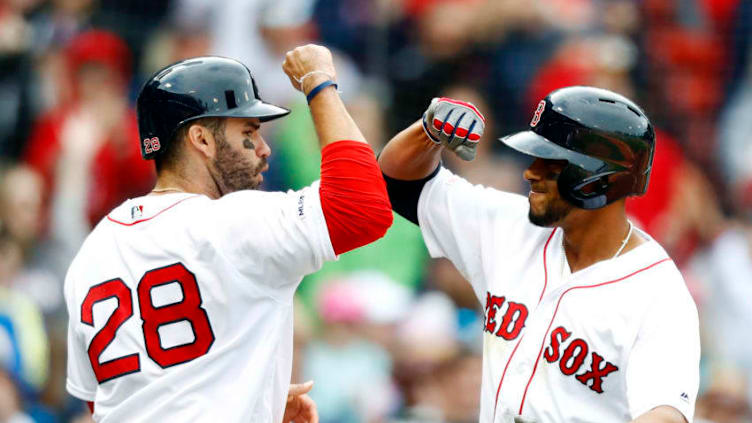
{"x": 554, "y": 212}
{"x": 234, "y": 171}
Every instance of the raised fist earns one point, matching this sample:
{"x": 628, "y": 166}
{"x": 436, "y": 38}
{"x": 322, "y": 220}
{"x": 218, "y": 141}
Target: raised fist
{"x": 308, "y": 66}
{"x": 455, "y": 124}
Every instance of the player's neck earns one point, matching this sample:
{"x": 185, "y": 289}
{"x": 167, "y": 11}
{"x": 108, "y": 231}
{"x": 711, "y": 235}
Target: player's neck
{"x": 596, "y": 235}
{"x": 172, "y": 181}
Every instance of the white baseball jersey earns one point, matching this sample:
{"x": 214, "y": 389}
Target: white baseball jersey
{"x": 181, "y": 306}
{"x": 604, "y": 344}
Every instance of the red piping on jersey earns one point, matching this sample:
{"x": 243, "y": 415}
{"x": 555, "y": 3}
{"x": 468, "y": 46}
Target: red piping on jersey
{"x": 545, "y": 283}
{"x": 535, "y": 366}
{"x": 496, "y": 401}
{"x": 149, "y": 218}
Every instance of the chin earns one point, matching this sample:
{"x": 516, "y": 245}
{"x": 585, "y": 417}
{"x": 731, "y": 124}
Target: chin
{"x": 550, "y": 216}
{"x": 536, "y": 217}
{"x": 540, "y": 220}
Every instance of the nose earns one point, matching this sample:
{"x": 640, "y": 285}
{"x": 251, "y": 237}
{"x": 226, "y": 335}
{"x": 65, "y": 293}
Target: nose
{"x": 535, "y": 171}
{"x": 262, "y": 148}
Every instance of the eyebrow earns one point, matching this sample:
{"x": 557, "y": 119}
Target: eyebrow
{"x": 254, "y": 125}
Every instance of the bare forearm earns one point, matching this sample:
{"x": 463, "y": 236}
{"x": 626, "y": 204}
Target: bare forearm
{"x": 410, "y": 155}
{"x": 308, "y": 67}
{"x": 331, "y": 119}
{"x": 661, "y": 414}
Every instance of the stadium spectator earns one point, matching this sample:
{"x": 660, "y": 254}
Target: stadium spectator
{"x": 87, "y": 151}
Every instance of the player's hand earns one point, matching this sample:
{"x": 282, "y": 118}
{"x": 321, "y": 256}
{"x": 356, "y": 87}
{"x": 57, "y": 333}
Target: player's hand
{"x": 300, "y": 407}
{"x": 308, "y": 66}
{"x": 455, "y": 124}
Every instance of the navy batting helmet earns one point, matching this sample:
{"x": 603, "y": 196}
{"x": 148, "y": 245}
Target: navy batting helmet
{"x": 192, "y": 89}
{"x": 606, "y": 139}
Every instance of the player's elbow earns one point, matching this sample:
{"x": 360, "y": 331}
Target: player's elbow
{"x": 354, "y": 197}
{"x": 376, "y": 227}
{"x": 356, "y": 218}
{"x": 662, "y": 414}
{"x": 380, "y": 219}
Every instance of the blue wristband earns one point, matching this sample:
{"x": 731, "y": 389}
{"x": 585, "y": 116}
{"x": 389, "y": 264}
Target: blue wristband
{"x": 318, "y": 89}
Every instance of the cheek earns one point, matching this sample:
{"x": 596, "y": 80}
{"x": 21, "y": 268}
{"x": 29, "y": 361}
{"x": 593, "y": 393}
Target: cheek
{"x": 254, "y": 159}
{"x": 553, "y": 188}
{"x": 538, "y": 201}
{"x": 248, "y": 144}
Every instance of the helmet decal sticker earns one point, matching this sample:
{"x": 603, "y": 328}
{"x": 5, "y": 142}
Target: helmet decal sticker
{"x": 538, "y": 113}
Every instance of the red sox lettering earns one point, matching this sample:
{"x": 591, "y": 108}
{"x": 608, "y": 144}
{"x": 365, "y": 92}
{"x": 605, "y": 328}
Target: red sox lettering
{"x": 573, "y": 357}
{"x": 511, "y": 323}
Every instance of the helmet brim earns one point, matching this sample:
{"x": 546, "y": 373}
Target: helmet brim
{"x": 532, "y": 144}
{"x": 257, "y": 109}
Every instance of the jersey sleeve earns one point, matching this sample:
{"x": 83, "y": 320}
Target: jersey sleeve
{"x": 664, "y": 363}
{"x": 273, "y": 233}
{"x": 80, "y": 382}
{"x": 459, "y": 220}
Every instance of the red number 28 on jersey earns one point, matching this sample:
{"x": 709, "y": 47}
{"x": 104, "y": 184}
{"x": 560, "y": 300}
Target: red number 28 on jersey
{"x": 188, "y": 309}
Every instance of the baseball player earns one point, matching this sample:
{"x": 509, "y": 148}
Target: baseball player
{"x": 180, "y": 301}
{"x": 586, "y": 317}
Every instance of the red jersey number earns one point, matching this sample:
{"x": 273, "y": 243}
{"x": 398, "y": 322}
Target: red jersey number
{"x": 117, "y": 367}
{"x": 188, "y": 309}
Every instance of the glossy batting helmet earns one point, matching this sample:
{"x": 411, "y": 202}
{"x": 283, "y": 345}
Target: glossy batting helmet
{"x": 606, "y": 139}
{"x": 192, "y": 89}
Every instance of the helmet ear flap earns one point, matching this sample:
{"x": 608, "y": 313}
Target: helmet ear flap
{"x": 583, "y": 189}
{"x": 588, "y": 190}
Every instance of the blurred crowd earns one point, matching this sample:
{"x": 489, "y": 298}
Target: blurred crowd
{"x": 387, "y": 334}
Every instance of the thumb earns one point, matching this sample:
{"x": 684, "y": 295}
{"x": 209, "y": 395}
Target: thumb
{"x": 466, "y": 153}
{"x": 431, "y": 110}
{"x": 299, "y": 389}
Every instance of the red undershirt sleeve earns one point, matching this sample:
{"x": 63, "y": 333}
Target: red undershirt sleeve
{"x": 353, "y": 195}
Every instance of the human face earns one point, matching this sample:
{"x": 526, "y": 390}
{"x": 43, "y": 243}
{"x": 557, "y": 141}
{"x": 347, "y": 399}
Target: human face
{"x": 547, "y": 208}
{"x": 241, "y": 155}
{"x": 21, "y": 204}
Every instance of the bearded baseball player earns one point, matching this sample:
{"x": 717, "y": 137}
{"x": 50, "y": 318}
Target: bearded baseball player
{"x": 181, "y": 301}
{"x": 586, "y": 317}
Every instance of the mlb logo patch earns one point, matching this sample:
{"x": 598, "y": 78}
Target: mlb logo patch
{"x": 137, "y": 211}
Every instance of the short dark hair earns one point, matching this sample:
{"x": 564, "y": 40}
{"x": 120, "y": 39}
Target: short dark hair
{"x": 171, "y": 154}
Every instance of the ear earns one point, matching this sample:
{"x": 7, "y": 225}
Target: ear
{"x": 202, "y": 140}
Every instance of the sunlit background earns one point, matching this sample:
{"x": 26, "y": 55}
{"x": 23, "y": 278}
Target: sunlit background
{"x": 388, "y": 334}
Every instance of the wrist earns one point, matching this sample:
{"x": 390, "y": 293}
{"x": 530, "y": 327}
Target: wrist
{"x": 319, "y": 89}
{"x": 427, "y": 133}
{"x": 431, "y": 145}
{"x": 427, "y": 141}
{"x": 313, "y": 81}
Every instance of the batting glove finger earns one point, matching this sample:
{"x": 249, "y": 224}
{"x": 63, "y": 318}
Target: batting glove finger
{"x": 457, "y": 125}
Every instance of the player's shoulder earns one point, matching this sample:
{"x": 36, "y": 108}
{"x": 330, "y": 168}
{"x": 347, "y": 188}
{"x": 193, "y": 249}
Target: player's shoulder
{"x": 651, "y": 261}
{"x": 664, "y": 281}
{"x": 83, "y": 260}
{"x": 257, "y": 197}
{"x": 130, "y": 217}
{"x": 142, "y": 211}
{"x": 447, "y": 180}
{"x": 262, "y": 204}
